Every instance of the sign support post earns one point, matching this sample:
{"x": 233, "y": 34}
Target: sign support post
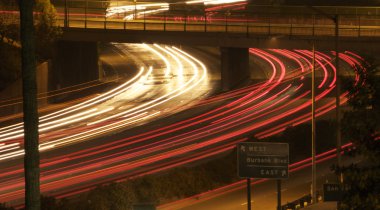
{"x": 278, "y": 194}
{"x": 249, "y": 193}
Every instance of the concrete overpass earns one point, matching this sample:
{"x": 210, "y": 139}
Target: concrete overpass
{"x": 234, "y": 31}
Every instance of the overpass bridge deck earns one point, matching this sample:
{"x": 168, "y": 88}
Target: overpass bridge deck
{"x": 218, "y": 27}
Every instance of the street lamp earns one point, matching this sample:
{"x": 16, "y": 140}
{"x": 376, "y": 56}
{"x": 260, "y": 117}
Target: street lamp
{"x": 339, "y": 134}
{"x": 313, "y": 139}
{"x": 339, "y": 138}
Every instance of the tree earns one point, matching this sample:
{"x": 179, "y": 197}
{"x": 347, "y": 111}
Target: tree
{"x": 4, "y": 207}
{"x": 8, "y": 29}
{"x": 361, "y": 125}
{"x": 28, "y": 71}
{"x": 47, "y": 29}
{"x": 10, "y": 68}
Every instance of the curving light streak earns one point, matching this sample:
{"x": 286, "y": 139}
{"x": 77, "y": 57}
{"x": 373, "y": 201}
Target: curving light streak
{"x": 167, "y": 63}
{"x": 126, "y": 117}
{"x": 179, "y": 63}
{"x": 136, "y": 10}
{"x": 164, "y": 149}
{"x": 8, "y": 147}
{"x": 187, "y": 148}
{"x": 169, "y": 96}
{"x": 18, "y": 127}
{"x": 50, "y": 125}
{"x": 101, "y": 98}
{"x": 213, "y": 2}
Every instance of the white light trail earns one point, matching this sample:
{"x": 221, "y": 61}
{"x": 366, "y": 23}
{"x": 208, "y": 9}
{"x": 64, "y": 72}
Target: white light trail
{"x": 214, "y": 2}
{"x": 96, "y": 131}
{"x": 160, "y": 55}
{"x": 145, "y": 8}
{"x": 179, "y": 64}
{"x": 119, "y": 120}
{"x": 16, "y": 130}
{"x": 169, "y": 96}
{"x": 138, "y": 14}
{"x": 9, "y": 147}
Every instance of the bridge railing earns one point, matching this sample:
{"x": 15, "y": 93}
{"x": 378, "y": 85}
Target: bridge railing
{"x": 251, "y": 20}
{"x": 226, "y": 21}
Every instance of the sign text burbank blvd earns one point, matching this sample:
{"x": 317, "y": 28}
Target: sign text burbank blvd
{"x": 263, "y": 160}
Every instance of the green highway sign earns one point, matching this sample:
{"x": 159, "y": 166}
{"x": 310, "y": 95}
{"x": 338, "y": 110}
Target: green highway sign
{"x": 334, "y": 191}
{"x": 263, "y": 160}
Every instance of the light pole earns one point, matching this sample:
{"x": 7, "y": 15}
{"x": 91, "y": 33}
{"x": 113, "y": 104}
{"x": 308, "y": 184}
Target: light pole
{"x": 313, "y": 142}
{"x": 337, "y": 102}
{"x": 135, "y": 15}
{"x": 65, "y": 21}
{"x": 338, "y": 124}
{"x": 339, "y": 134}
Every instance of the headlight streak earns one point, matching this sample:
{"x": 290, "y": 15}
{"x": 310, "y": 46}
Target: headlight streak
{"x": 9, "y": 147}
{"x": 179, "y": 64}
{"x": 195, "y": 122}
{"x": 168, "y": 66}
{"x": 77, "y": 107}
{"x": 213, "y": 2}
{"x": 98, "y": 99}
{"x": 97, "y": 131}
{"x": 221, "y": 7}
{"x": 138, "y": 10}
{"x": 139, "y": 14}
{"x": 94, "y": 132}
{"x": 194, "y": 151}
{"x": 146, "y": 76}
{"x": 45, "y": 126}
{"x": 13, "y": 154}
{"x": 169, "y": 96}
{"x": 79, "y": 104}
{"x": 50, "y": 94}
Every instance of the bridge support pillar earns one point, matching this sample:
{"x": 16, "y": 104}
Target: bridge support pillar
{"x": 234, "y": 67}
{"x": 74, "y": 62}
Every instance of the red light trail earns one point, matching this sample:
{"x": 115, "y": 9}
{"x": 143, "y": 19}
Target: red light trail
{"x": 261, "y": 110}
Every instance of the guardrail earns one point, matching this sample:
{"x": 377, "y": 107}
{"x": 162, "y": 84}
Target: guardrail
{"x": 253, "y": 20}
{"x": 300, "y": 203}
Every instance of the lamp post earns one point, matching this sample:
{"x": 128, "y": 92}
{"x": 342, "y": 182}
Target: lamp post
{"x": 339, "y": 134}
{"x": 337, "y": 103}
{"x": 338, "y": 124}
{"x": 313, "y": 142}
{"x": 135, "y": 15}
{"x": 65, "y": 20}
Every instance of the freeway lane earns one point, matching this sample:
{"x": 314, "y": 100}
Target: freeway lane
{"x": 278, "y": 101}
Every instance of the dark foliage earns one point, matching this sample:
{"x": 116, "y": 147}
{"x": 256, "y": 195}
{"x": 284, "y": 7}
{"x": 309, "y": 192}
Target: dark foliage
{"x": 5, "y": 207}
{"x": 361, "y": 125}
{"x": 47, "y": 30}
{"x": 10, "y": 68}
